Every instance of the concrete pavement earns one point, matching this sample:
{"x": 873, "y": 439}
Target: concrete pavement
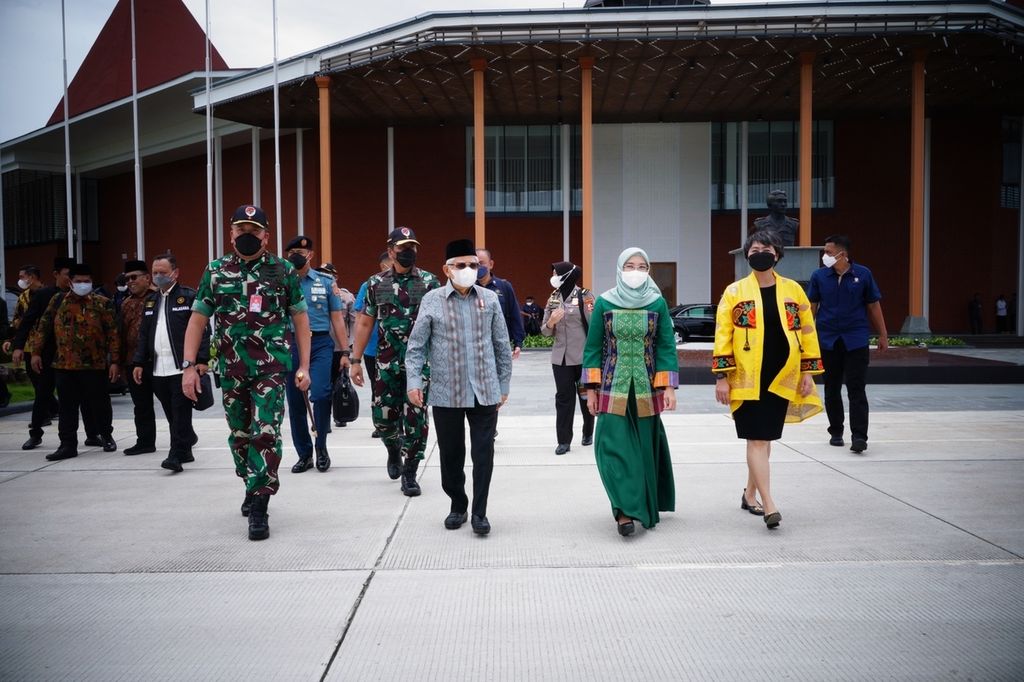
{"x": 905, "y": 562}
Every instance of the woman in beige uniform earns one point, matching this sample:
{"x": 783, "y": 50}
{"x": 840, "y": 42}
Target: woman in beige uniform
{"x": 567, "y": 318}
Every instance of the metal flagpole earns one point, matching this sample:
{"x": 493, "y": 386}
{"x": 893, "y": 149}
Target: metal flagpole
{"x": 67, "y": 138}
{"x": 209, "y": 151}
{"x": 277, "y": 143}
{"x": 140, "y": 237}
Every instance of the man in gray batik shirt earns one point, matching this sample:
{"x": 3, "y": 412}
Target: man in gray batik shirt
{"x": 461, "y": 331}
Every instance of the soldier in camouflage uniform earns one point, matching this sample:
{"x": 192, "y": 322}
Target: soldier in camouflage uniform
{"x": 392, "y": 302}
{"x": 251, "y": 293}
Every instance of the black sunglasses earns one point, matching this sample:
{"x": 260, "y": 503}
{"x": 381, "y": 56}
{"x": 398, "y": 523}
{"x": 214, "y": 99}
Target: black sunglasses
{"x": 132, "y": 278}
{"x": 463, "y": 266}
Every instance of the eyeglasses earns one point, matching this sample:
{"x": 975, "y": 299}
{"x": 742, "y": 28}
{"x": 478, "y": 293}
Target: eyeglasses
{"x": 629, "y": 267}
{"x": 132, "y": 278}
{"x": 463, "y": 266}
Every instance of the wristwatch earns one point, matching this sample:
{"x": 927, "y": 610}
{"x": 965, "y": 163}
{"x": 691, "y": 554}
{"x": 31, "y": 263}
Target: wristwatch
{"x": 185, "y": 364}
{"x": 721, "y": 375}
{"x": 345, "y": 353}
{"x": 355, "y": 361}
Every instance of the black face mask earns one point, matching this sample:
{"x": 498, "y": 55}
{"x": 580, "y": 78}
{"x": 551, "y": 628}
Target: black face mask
{"x": 406, "y": 258}
{"x": 298, "y": 260}
{"x": 762, "y": 260}
{"x": 248, "y": 244}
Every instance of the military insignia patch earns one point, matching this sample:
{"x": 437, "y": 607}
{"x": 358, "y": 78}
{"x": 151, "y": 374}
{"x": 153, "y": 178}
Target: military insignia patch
{"x": 405, "y": 231}
{"x": 181, "y": 299}
{"x": 150, "y": 304}
{"x": 250, "y": 211}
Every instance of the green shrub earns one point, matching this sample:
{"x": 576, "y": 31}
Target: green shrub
{"x": 925, "y": 341}
{"x": 538, "y": 341}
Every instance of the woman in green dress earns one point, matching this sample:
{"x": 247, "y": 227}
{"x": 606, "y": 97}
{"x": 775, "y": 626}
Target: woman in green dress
{"x": 631, "y": 371}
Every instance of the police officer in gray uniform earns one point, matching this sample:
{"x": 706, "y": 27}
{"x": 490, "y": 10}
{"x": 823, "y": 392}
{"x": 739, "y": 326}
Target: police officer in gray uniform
{"x": 567, "y": 318}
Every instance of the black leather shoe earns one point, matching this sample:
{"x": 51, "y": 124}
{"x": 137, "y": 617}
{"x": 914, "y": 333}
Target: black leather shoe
{"x": 304, "y": 464}
{"x": 375, "y": 434}
{"x": 259, "y": 519}
{"x": 755, "y": 508}
{"x": 93, "y": 441}
{"x": 46, "y": 423}
{"x": 247, "y": 504}
{"x": 455, "y": 520}
{"x": 195, "y": 440}
{"x": 859, "y": 445}
{"x": 186, "y": 458}
{"x": 323, "y": 460}
{"x": 773, "y": 520}
{"x": 627, "y": 529}
{"x": 481, "y": 526}
{"x": 337, "y": 423}
{"x": 562, "y": 449}
{"x": 172, "y": 464}
{"x": 62, "y": 453}
{"x": 587, "y": 440}
{"x": 109, "y": 445}
{"x": 139, "y": 450}
{"x": 32, "y": 443}
{"x": 836, "y": 441}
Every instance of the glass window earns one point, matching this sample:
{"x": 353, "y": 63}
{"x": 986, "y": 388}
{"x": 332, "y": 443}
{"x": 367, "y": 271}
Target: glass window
{"x": 1009, "y": 191}
{"x": 523, "y": 169}
{"x": 773, "y": 160}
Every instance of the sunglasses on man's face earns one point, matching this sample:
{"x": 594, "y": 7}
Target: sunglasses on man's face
{"x": 463, "y": 266}
{"x": 132, "y": 278}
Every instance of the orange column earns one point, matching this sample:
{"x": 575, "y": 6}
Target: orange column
{"x": 917, "y": 186}
{"x": 479, "y": 177}
{"x": 806, "y": 149}
{"x": 323, "y": 83}
{"x": 587, "y": 105}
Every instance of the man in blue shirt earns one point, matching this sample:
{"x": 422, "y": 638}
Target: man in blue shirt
{"x": 507, "y": 298}
{"x": 370, "y": 352}
{"x": 843, "y": 296}
{"x": 326, "y": 312}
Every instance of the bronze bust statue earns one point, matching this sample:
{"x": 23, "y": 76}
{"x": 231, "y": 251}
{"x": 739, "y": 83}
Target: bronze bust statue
{"x": 777, "y": 220}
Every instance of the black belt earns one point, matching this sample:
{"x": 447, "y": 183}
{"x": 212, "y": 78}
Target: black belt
{"x": 321, "y": 333}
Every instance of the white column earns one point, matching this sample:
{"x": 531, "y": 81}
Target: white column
{"x": 1020, "y": 240}
{"x": 218, "y": 195}
{"x": 3, "y": 234}
{"x": 278, "y": 226}
{"x": 566, "y": 188}
{"x": 79, "y": 251}
{"x": 256, "y": 167}
{"x": 300, "y": 199}
{"x": 391, "y": 178}
{"x": 67, "y": 138}
{"x": 744, "y": 154}
{"x": 926, "y": 269}
{"x": 140, "y": 233}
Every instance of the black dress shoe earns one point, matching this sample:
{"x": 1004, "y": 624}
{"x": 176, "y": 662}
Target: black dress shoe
{"x": 375, "y": 434}
{"x": 62, "y": 453}
{"x": 32, "y": 443}
{"x": 455, "y": 520}
{"x": 195, "y": 439}
{"x": 139, "y": 450}
{"x": 773, "y": 520}
{"x": 93, "y": 441}
{"x": 172, "y": 464}
{"x": 859, "y": 445}
{"x": 109, "y": 445}
{"x": 304, "y": 464}
{"x": 46, "y": 423}
{"x": 755, "y": 508}
{"x": 481, "y": 526}
{"x": 836, "y": 441}
{"x": 562, "y": 449}
{"x": 627, "y": 529}
{"x": 323, "y": 460}
{"x": 587, "y": 440}
{"x": 186, "y": 458}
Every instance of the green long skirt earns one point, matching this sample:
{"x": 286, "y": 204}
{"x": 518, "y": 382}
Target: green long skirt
{"x": 636, "y": 468}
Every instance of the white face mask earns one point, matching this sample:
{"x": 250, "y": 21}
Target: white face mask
{"x": 23, "y": 284}
{"x": 82, "y": 288}
{"x": 122, "y": 289}
{"x": 828, "y": 260}
{"x": 464, "y": 278}
{"x": 556, "y": 281}
{"x": 634, "y": 279}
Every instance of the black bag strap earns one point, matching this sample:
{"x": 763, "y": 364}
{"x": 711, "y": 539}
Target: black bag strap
{"x": 583, "y": 315}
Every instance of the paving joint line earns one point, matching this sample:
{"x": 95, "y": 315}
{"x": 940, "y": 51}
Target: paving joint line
{"x": 906, "y": 503}
{"x": 369, "y": 579}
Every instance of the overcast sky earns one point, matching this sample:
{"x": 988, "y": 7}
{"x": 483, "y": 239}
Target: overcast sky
{"x": 31, "y": 81}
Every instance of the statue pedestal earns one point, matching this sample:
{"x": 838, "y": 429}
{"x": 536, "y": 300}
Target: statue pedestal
{"x": 797, "y": 263}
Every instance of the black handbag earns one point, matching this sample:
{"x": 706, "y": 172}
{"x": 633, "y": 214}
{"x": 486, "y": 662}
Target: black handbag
{"x": 345, "y": 401}
{"x": 205, "y": 399}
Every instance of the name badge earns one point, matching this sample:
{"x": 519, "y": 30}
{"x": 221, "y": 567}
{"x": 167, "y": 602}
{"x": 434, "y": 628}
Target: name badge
{"x": 574, "y": 301}
{"x": 255, "y": 303}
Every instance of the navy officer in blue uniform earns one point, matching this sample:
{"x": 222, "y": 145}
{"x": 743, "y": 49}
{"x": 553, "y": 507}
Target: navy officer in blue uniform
{"x": 326, "y": 312}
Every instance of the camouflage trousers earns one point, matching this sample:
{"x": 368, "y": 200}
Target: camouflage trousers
{"x": 397, "y": 420}
{"x": 254, "y": 408}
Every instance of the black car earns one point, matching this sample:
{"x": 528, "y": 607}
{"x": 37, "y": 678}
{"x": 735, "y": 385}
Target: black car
{"x": 694, "y": 320}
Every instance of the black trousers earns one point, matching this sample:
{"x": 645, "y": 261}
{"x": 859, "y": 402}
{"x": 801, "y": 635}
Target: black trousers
{"x": 567, "y": 394}
{"x": 178, "y": 410}
{"x": 145, "y": 417}
{"x": 75, "y": 389}
{"x": 849, "y": 367}
{"x": 449, "y": 424}
{"x": 44, "y": 405}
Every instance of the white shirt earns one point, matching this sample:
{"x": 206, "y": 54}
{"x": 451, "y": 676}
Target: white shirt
{"x": 164, "y": 366}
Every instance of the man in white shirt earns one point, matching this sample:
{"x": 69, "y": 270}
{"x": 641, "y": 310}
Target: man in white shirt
{"x": 161, "y": 347}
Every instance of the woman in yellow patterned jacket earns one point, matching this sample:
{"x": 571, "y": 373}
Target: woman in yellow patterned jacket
{"x": 766, "y": 350}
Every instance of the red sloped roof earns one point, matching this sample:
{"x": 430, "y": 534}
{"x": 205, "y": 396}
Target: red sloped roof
{"x": 169, "y": 43}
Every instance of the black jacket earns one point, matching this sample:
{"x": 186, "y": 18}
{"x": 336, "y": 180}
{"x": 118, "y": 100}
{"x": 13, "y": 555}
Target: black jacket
{"x": 178, "y": 310}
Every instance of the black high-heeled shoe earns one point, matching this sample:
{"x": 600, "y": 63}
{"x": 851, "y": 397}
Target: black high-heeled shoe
{"x": 755, "y": 509}
{"x": 773, "y": 520}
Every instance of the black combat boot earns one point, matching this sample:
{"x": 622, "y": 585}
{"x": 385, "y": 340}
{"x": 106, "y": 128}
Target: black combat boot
{"x": 394, "y": 460}
{"x": 247, "y": 504}
{"x": 409, "y": 485}
{"x": 259, "y": 527}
